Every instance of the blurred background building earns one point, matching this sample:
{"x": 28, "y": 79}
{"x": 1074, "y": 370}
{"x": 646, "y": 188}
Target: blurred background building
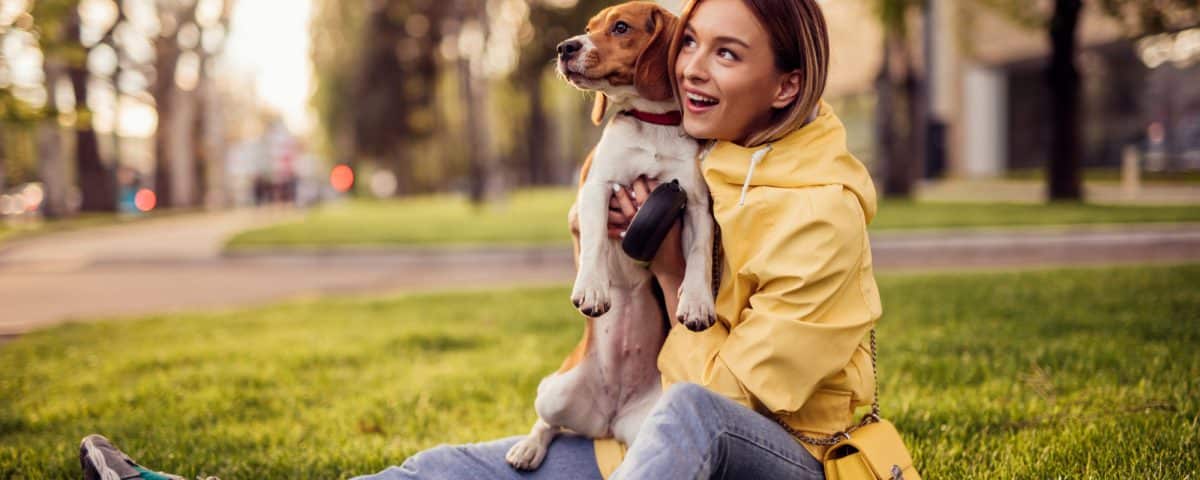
{"x": 224, "y": 103}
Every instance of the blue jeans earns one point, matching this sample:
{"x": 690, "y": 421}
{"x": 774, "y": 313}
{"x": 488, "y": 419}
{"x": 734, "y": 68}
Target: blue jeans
{"x": 691, "y": 433}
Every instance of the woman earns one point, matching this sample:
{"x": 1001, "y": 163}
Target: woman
{"x": 797, "y": 294}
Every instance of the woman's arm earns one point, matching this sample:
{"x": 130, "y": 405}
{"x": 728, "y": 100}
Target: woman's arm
{"x": 808, "y": 312}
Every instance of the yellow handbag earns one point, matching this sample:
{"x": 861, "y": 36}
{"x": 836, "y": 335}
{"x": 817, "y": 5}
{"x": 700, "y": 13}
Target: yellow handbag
{"x": 871, "y": 449}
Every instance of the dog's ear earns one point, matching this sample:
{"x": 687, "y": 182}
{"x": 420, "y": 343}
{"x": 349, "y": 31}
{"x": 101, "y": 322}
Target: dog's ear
{"x": 650, "y": 76}
{"x": 598, "y": 108}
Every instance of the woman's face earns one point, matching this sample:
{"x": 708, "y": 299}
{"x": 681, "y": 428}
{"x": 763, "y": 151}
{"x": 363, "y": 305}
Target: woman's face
{"x": 725, "y": 69}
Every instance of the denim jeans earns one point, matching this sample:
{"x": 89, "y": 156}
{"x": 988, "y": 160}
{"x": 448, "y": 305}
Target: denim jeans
{"x": 691, "y": 433}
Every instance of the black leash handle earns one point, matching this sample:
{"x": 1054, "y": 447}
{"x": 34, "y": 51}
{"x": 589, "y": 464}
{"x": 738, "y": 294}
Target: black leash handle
{"x": 653, "y": 220}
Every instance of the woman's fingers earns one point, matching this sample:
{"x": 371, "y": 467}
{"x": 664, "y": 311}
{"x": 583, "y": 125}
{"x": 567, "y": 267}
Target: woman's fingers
{"x": 620, "y": 212}
{"x": 641, "y": 190}
{"x": 617, "y": 219}
{"x": 624, "y": 201}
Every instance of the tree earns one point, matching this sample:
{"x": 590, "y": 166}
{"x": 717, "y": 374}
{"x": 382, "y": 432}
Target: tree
{"x": 899, "y": 107}
{"x": 1063, "y": 171}
{"x": 1062, "y": 76}
{"x": 97, "y": 183}
{"x": 54, "y": 20}
{"x": 172, "y": 173}
{"x": 549, "y": 24}
{"x": 337, "y": 37}
{"x": 395, "y": 84}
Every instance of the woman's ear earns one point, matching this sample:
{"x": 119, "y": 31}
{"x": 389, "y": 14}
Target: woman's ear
{"x": 598, "y": 108}
{"x": 789, "y": 88}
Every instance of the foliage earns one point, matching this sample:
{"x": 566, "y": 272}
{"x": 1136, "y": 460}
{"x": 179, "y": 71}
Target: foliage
{"x": 336, "y": 31}
{"x": 1087, "y": 373}
{"x": 1141, "y": 17}
{"x": 893, "y": 14}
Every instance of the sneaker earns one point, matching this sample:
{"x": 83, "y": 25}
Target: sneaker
{"x": 102, "y": 461}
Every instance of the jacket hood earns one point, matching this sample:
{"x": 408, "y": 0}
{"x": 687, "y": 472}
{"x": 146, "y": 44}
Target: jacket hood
{"x": 812, "y": 155}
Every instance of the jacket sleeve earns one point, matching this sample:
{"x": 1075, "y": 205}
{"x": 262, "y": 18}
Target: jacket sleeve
{"x": 807, "y": 310}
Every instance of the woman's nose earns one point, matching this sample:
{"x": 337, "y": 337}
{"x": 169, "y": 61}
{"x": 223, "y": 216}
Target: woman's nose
{"x": 694, "y": 68}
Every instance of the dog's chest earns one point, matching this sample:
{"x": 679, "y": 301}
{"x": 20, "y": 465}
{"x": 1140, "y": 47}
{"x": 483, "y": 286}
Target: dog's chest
{"x": 629, "y": 148}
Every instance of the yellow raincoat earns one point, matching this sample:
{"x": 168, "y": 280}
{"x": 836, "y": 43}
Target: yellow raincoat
{"x": 797, "y": 295}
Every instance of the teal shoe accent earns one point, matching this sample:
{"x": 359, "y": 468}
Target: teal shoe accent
{"x": 150, "y": 475}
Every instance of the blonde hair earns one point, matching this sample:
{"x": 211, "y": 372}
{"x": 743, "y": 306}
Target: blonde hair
{"x": 799, "y": 40}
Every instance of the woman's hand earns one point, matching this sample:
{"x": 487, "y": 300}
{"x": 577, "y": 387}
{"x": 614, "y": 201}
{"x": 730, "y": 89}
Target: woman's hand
{"x": 668, "y": 264}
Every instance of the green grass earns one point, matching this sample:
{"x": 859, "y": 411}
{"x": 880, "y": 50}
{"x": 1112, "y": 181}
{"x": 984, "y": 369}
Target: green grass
{"x": 530, "y": 217}
{"x": 538, "y": 217}
{"x": 900, "y": 215}
{"x": 1079, "y": 373}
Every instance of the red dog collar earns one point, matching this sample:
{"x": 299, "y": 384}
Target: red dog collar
{"x": 669, "y": 118}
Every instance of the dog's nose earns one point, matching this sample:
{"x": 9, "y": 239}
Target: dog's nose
{"x": 568, "y": 48}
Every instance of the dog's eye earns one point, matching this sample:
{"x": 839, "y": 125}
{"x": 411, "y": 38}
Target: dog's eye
{"x": 620, "y": 28}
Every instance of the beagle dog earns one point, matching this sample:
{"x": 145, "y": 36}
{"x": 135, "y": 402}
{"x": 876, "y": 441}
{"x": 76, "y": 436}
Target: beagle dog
{"x": 608, "y": 384}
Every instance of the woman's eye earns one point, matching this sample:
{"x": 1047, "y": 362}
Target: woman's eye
{"x": 688, "y": 41}
{"x": 620, "y": 28}
{"x": 727, "y": 54}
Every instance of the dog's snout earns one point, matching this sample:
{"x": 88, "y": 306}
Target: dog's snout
{"x": 567, "y": 48}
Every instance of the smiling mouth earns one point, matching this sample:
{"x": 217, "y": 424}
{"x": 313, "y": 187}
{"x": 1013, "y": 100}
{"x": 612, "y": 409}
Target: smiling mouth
{"x": 698, "y": 103}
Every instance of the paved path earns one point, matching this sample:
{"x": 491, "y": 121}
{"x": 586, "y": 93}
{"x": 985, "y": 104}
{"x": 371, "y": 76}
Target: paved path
{"x": 176, "y": 264}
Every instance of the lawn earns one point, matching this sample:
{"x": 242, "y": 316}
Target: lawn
{"x": 1090, "y": 373}
{"x": 530, "y": 217}
{"x": 538, "y": 217}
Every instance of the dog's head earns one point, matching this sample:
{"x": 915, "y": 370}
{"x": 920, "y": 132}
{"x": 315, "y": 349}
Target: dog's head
{"x": 624, "y": 46}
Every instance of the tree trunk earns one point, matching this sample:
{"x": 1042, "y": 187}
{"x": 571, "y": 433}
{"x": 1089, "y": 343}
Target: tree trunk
{"x": 52, "y": 165}
{"x": 96, "y": 181}
{"x": 3, "y": 157}
{"x": 896, "y": 116}
{"x": 212, "y": 142}
{"x": 537, "y": 132}
{"x": 1063, "y": 166}
{"x": 181, "y": 148}
{"x": 166, "y": 52}
{"x": 476, "y": 162}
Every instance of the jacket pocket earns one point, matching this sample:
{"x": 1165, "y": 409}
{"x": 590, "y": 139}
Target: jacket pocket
{"x": 828, "y": 411}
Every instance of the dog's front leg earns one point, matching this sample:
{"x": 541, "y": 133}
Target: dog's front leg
{"x": 528, "y": 453}
{"x": 590, "y": 293}
{"x": 696, "y": 309}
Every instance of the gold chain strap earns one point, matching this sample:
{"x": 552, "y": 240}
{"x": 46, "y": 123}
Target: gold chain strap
{"x": 844, "y": 434}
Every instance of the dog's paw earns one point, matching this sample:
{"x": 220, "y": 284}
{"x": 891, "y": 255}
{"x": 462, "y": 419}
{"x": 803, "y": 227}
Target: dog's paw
{"x": 590, "y": 296}
{"x": 527, "y": 454}
{"x": 696, "y": 312}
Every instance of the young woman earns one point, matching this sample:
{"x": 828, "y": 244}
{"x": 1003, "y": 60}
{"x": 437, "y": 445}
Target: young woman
{"x": 788, "y": 356}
